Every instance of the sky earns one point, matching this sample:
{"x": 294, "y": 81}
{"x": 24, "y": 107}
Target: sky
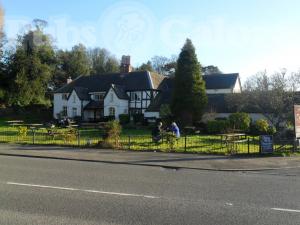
{"x": 243, "y": 36}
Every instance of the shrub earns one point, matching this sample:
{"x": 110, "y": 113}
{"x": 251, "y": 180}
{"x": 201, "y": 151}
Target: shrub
{"x": 240, "y": 121}
{"x": 262, "y": 126}
{"x": 22, "y": 132}
{"x": 112, "y": 132}
{"x": 69, "y": 135}
{"x": 272, "y": 130}
{"x": 217, "y": 126}
{"x": 124, "y": 118}
{"x": 170, "y": 140}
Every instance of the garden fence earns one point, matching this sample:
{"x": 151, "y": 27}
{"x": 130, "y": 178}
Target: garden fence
{"x": 94, "y": 138}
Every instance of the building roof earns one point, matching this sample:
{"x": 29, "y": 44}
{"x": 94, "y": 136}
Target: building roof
{"x": 132, "y": 81}
{"x": 163, "y": 97}
{"x": 82, "y": 93}
{"x": 94, "y": 105}
{"x": 221, "y": 81}
{"x": 120, "y": 91}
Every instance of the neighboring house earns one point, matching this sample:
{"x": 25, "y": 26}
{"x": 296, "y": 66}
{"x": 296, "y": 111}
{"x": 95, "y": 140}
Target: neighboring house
{"x": 217, "y": 86}
{"x": 94, "y": 97}
{"x": 222, "y": 83}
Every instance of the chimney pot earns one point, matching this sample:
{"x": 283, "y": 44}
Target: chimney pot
{"x": 69, "y": 80}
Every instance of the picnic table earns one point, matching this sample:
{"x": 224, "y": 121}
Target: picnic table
{"x": 33, "y": 126}
{"x": 15, "y": 122}
{"x": 231, "y": 141}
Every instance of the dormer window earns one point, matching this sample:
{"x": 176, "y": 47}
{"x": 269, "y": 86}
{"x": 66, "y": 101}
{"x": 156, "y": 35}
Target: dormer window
{"x": 98, "y": 97}
{"x": 74, "y": 98}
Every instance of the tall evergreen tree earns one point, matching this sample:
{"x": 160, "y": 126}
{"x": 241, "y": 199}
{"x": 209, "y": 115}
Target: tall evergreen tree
{"x": 189, "y": 96}
{"x": 31, "y": 68}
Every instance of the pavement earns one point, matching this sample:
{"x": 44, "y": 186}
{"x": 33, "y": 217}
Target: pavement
{"x": 158, "y": 159}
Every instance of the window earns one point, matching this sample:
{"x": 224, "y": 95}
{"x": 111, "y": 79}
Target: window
{"x": 135, "y": 96}
{"x": 74, "y": 98}
{"x": 111, "y": 97}
{"x": 65, "y": 111}
{"x": 125, "y": 111}
{"x": 64, "y": 96}
{"x": 98, "y": 97}
{"x": 74, "y": 112}
{"x": 112, "y": 111}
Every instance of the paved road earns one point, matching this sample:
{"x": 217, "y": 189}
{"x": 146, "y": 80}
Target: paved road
{"x": 47, "y": 191}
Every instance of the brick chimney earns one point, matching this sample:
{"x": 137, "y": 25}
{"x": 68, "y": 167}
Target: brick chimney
{"x": 125, "y": 64}
{"x": 69, "y": 80}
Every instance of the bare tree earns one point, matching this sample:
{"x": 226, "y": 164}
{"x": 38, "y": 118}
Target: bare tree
{"x": 272, "y": 95}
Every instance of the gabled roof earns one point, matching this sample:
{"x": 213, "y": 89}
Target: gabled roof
{"x": 133, "y": 81}
{"x": 82, "y": 93}
{"x": 221, "y": 81}
{"x": 215, "y": 101}
{"x": 163, "y": 97}
{"x": 120, "y": 91}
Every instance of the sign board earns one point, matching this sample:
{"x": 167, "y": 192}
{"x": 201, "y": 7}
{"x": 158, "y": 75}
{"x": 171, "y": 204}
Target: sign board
{"x": 297, "y": 120}
{"x": 266, "y": 144}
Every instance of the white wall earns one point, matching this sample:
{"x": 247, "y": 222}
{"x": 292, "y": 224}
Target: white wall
{"x": 237, "y": 87}
{"x": 120, "y": 105}
{"x": 151, "y": 114}
{"x": 72, "y": 104}
{"x": 58, "y": 104}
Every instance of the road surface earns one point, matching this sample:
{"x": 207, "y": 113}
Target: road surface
{"x": 47, "y": 191}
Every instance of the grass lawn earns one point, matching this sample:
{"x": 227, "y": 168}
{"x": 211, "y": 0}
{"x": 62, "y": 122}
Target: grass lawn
{"x": 133, "y": 139}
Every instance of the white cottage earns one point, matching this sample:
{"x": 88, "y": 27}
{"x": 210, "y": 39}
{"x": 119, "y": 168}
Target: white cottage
{"x": 93, "y": 97}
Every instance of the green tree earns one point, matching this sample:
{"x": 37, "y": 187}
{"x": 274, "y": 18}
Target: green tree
{"x": 72, "y": 64}
{"x": 77, "y": 63}
{"x": 240, "y": 121}
{"x": 208, "y": 70}
{"x": 146, "y": 67}
{"x": 189, "y": 96}
{"x": 3, "y": 76}
{"x": 102, "y": 61}
{"x": 31, "y": 68}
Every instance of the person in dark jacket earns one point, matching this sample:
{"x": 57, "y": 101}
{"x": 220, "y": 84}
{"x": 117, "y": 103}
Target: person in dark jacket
{"x": 157, "y": 132}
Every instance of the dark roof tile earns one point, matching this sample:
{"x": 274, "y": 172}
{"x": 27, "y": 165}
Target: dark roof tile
{"x": 101, "y": 83}
{"x": 220, "y": 81}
